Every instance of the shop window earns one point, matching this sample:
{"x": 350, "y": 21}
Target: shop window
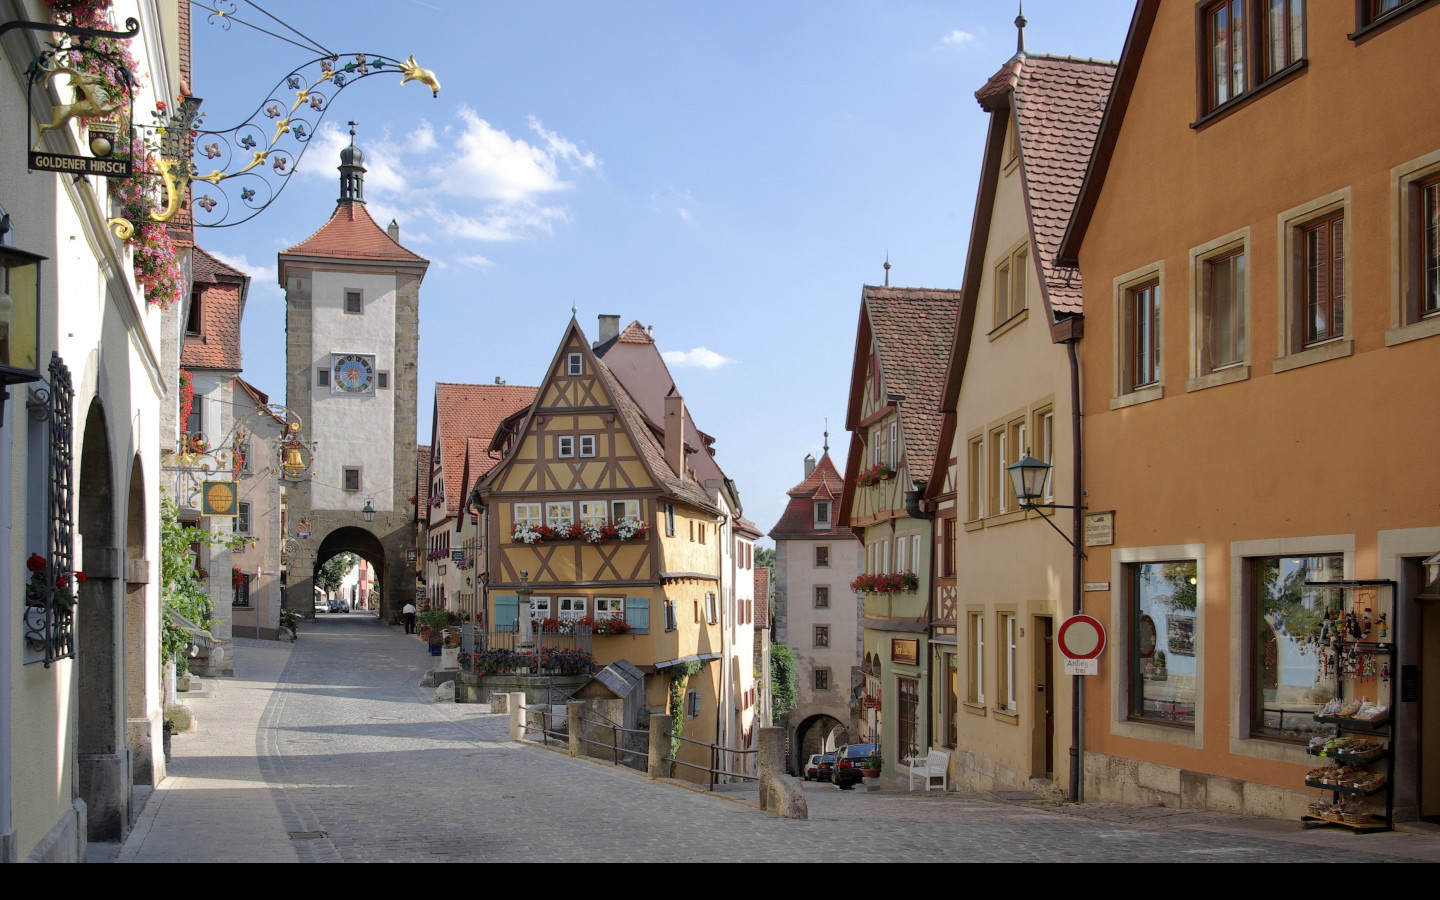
{"x": 1290, "y": 624}
{"x": 1162, "y": 599}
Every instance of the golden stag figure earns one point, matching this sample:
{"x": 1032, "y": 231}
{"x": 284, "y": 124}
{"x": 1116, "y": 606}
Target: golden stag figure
{"x": 413, "y": 72}
{"x": 90, "y": 99}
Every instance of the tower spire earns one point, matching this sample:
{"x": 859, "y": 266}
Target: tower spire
{"x": 1020, "y": 23}
{"x": 352, "y": 171}
{"x": 827, "y": 425}
{"x": 887, "y": 276}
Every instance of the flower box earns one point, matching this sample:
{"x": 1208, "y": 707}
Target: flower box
{"x": 893, "y": 583}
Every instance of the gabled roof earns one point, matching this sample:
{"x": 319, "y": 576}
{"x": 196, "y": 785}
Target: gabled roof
{"x": 797, "y": 522}
{"x": 1056, "y": 105}
{"x": 222, "y": 306}
{"x": 259, "y": 398}
{"x": 351, "y": 235}
{"x": 465, "y": 411}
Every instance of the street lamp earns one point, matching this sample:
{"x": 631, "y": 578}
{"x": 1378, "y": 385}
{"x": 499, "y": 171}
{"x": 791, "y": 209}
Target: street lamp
{"x": 19, "y": 314}
{"x": 1028, "y": 477}
{"x": 369, "y": 511}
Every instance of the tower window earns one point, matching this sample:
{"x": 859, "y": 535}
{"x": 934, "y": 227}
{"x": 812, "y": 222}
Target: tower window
{"x": 352, "y": 479}
{"x": 382, "y": 380}
{"x": 354, "y": 302}
{"x": 322, "y": 377}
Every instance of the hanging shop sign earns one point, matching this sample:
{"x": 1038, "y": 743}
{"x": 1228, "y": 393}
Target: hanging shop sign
{"x": 218, "y": 498}
{"x": 101, "y": 92}
{"x": 1100, "y": 529}
{"x": 906, "y": 652}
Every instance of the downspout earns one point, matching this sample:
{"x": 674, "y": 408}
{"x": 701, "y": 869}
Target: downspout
{"x": 7, "y": 438}
{"x": 1077, "y": 704}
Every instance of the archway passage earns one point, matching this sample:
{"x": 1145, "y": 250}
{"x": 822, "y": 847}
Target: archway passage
{"x": 104, "y": 775}
{"x": 141, "y": 725}
{"x": 813, "y": 735}
{"x": 364, "y": 545}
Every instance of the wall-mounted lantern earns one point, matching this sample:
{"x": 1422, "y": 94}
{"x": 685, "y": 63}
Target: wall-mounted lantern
{"x": 19, "y": 314}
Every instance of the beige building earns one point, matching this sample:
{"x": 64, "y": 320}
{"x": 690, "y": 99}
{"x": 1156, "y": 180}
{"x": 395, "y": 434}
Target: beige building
{"x": 257, "y": 588}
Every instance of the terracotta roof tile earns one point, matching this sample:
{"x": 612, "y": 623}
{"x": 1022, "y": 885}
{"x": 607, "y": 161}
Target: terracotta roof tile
{"x": 466, "y": 411}
{"x": 762, "y": 596}
{"x": 222, "y": 305}
{"x": 635, "y": 333}
{"x": 681, "y": 486}
{"x": 1059, "y": 104}
{"x": 352, "y": 234}
{"x": 913, "y": 329}
{"x": 797, "y": 522}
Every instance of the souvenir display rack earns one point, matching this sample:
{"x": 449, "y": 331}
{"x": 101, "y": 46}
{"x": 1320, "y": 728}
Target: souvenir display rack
{"x": 1358, "y": 648}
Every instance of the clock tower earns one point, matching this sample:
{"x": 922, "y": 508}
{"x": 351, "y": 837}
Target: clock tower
{"x": 352, "y": 320}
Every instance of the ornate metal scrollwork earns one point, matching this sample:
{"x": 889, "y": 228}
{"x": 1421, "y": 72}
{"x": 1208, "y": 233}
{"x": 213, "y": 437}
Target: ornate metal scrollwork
{"x": 49, "y": 625}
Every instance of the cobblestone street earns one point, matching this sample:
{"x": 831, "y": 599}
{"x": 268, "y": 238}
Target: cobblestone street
{"x": 328, "y": 751}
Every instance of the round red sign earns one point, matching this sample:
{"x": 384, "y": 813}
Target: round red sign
{"x": 1081, "y": 637}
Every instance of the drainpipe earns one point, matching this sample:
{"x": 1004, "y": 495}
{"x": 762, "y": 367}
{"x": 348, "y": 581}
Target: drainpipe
{"x": 1077, "y": 690}
{"x": 7, "y": 436}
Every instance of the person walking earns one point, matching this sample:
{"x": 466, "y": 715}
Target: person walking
{"x": 409, "y": 613}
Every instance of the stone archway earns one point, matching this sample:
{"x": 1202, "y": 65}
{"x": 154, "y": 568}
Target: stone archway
{"x": 104, "y": 771}
{"x": 140, "y": 727}
{"x": 809, "y": 735}
{"x": 363, "y": 544}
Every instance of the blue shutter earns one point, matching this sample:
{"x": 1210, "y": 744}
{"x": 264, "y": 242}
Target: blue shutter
{"x": 637, "y": 614}
{"x": 507, "y": 613}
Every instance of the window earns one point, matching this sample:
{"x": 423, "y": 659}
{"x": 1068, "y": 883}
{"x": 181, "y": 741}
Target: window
{"x": 565, "y": 446}
{"x": 822, "y": 597}
{"x": 879, "y": 444}
{"x": 822, "y": 557}
{"x": 907, "y": 722}
{"x": 352, "y": 479}
{"x": 976, "y": 687}
{"x": 574, "y": 364}
{"x": 822, "y": 635}
{"x": 901, "y": 545}
{"x": 195, "y": 318}
{"x": 1235, "y": 32}
{"x": 692, "y": 704}
{"x": 540, "y": 607}
{"x": 670, "y": 624}
{"x": 894, "y": 444}
{"x": 996, "y": 491}
{"x": 382, "y": 380}
{"x": 1045, "y": 434}
{"x": 527, "y": 514}
{"x": 822, "y": 679}
{"x": 1011, "y": 285}
{"x": 822, "y": 515}
{"x": 572, "y": 608}
{"x": 242, "y": 521}
{"x": 560, "y": 515}
{"x": 1017, "y": 441}
{"x": 1163, "y": 600}
{"x": 240, "y": 584}
{"x": 626, "y": 509}
{"x": 592, "y": 513}
{"x": 244, "y": 465}
{"x": 712, "y": 611}
{"x": 915, "y": 548}
{"x": 975, "y": 479}
{"x": 1142, "y": 341}
{"x": 1373, "y": 12}
{"x": 322, "y": 377}
{"x": 669, "y": 520}
{"x": 1290, "y": 624}
{"x": 700, "y": 531}
{"x": 1430, "y": 248}
{"x": 354, "y": 302}
{"x": 587, "y": 445}
{"x": 1223, "y": 312}
{"x": 1415, "y": 251}
{"x": 949, "y": 722}
{"x": 1006, "y": 660}
{"x": 1324, "y": 243}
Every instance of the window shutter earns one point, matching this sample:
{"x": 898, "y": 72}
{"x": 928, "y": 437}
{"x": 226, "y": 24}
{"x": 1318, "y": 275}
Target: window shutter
{"x": 507, "y": 613}
{"x": 637, "y": 614}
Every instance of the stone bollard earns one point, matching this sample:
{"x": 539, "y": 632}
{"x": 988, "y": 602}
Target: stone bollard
{"x": 499, "y": 702}
{"x": 517, "y": 716}
{"x": 659, "y": 746}
{"x": 779, "y": 793}
{"x": 575, "y": 727}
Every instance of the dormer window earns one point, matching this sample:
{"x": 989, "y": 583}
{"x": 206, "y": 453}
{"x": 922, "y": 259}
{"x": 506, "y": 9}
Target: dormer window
{"x": 196, "y": 316}
{"x": 574, "y": 365}
{"x": 822, "y": 515}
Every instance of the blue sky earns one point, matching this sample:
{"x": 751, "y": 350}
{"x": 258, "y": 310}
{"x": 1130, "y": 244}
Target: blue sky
{"x": 728, "y": 173}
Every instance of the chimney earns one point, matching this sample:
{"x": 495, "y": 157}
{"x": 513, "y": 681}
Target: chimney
{"x": 809, "y": 464}
{"x": 609, "y": 330}
{"x": 675, "y": 433}
{"x": 394, "y": 231}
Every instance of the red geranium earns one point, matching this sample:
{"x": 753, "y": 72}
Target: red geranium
{"x": 80, "y": 578}
{"x": 62, "y": 580}
{"x": 36, "y": 563}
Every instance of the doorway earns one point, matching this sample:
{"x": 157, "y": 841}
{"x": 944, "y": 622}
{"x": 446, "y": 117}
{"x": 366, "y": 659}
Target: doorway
{"x": 1042, "y": 734}
{"x": 1429, "y": 768}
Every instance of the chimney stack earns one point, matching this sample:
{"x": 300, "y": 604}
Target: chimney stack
{"x": 809, "y": 464}
{"x": 609, "y": 330}
{"x": 675, "y": 433}
{"x": 394, "y": 231}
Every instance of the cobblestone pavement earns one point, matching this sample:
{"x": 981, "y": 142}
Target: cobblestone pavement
{"x": 328, "y": 751}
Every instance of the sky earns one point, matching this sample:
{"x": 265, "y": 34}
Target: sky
{"x": 731, "y": 174}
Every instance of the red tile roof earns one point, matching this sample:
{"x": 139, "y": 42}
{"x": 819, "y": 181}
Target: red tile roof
{"x": 222, "y": 305}
{"x": 1059, "y": 103}
{"x": 465, "y": 411}
{"x": 635, "y": 333}
{"x": 797, "y": 522}
{"x": 913, "y": 329}
{"x": 352, "y": 234}
{"x": 762, "y": 596}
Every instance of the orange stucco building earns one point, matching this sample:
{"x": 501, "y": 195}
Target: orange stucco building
{"x": 1258, "y": 235}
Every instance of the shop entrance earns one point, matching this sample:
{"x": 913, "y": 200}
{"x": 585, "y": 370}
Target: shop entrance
{"x": 1042, "y": 729}
{"x": 1430, "y": 712}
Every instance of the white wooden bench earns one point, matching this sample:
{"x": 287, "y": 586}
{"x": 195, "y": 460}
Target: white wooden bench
{"x": 934, "y": 765}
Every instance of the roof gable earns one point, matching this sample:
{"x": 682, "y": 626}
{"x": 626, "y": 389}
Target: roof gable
{"x": 463, "y": 412}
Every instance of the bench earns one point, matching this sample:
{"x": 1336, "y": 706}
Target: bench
{"x": 934, "y": 765}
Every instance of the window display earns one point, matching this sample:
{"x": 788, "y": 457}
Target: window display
{"x": 1293, "y": 624}
{"x": 1162, "y": 645}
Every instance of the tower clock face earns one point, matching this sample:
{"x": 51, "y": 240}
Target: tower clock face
{"x": 352, "y": 373}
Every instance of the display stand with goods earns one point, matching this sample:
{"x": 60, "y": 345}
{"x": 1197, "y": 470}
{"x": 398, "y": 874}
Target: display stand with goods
{"x": 1358, "y": 651}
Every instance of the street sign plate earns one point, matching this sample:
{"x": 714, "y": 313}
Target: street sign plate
{"x": 1081, "y": 637}
{"x": 1082, "y": 667}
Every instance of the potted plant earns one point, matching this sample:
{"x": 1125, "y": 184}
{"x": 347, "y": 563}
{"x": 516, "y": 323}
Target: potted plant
{"x": 870, "y": 766}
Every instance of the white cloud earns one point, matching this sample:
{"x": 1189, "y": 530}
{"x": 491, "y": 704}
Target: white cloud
{"x": 676, "y": 202}
{"x": 564, "y": 149}
{"x": 474, "y": 262}
{"x": 699, "y": 358}
{"x": 262, "y": 279}
{"x": 422, "y": 139}
{"x": 491, "y": 165}
{"x": 958, "y": 38}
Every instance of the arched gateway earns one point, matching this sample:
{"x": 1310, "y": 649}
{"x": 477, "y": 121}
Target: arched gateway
{"x": 352, "y": 320}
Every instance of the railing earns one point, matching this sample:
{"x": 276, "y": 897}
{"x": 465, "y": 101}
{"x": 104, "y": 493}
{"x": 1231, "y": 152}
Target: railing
{"x": 634, "y": 757}
{"x": 538, "y": 640}
{"x": 715, "y": 751}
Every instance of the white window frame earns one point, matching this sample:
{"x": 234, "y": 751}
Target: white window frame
{"x": 575, "y": 364}
{"x": 1008, "y": 647}
{"x": 977, "y": 657}
{"x": 914, "y": 553}
{"x": 559, "y": 513}
{"x": 901, "y": 545}
{"x": 624, "y": 509}
{"x": 572, "y": 608}
{"x": 609, "y": 607}
{"x": 565, "y": 446}
{"x": 1046, "y": 427}
{"x": 587, "y": 446}
{"x": 822, "y": 514}
{"x": 594, "y": 512}
{"x": 527, "y": 514}
{"x": 540, "y": 608}
{"x": 894, "y": 444}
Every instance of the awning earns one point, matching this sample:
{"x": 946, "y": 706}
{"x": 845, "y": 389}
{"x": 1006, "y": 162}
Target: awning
{"x": 701, "y": 658}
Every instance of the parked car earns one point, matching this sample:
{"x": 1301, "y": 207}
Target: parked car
{"x": 339, "y": 606}
{"x": 846, "y": 773}
{"x": 321, "y": 605}
{"x": 818, "y": 767}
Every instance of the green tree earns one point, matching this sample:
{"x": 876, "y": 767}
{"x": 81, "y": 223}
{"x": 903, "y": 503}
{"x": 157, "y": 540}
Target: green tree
{"x": 765, "y": 556}
{"x": 334, "y": 570}
{"x": 783, "y": 680}
{"x": 182, "y": 587}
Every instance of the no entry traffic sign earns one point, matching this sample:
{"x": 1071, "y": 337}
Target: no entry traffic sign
{"x": 1081, "y": 637}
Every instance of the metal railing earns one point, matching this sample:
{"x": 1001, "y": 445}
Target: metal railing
{"x": 716, "y": 752}
{"x": 514, "y": 641}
